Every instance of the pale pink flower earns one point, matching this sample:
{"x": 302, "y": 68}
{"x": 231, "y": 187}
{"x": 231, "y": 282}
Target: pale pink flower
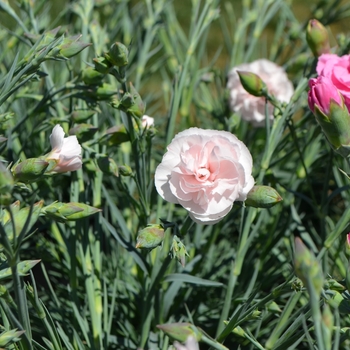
{"x": 249, "y": 107}
{"x": 191, "y": 344}
{"x": 337, "y": 69}
{"x": 147, "y": 121}
{"x": 205, "y": 171}
{"x": 65, "y": 150}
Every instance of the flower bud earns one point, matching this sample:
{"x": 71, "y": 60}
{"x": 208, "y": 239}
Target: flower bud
{"x": 138, "y": 107}
{"x": 8, "y": 337}
{"x": 23, "y": 267}
{"x": 317, "y": 38}
{"x": 307, "y": 267}
{"x": 252, "y": 83}
{"x": 82, "y": 115}
{"x": 331, "y": 114}
{"x": 91, "y": 76}
{"x": 262, "y": 197}
{"x": 71, "y": 46}
{"x": 116, "y": 135}
{"x": 125, "y": 170}
{"x": 178, "y": 251}
{"x": 327, "y": 326}
{"x": 322, "y": 92}
{"x": 29, "y": 170}
{"x": 6, "y": 180}
{"x": 20, "y": 220}
{"x": 180, "y": 331}
{"x": 69, "y": 211}
{"x": 150, "y": 237}
{"x": 105, "y": 91}
{"x": 102, "y": 65}
{"x": 108, "y": 165}
{"x": 84, "y": 132}
{"x": 347, "y": 245}
{"x": 118, "y": 55}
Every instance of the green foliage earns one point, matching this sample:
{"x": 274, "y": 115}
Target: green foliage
{"x": 96, "y": 67}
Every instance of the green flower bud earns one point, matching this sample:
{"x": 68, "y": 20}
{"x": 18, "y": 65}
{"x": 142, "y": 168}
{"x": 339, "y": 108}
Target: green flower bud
{"x": 347, "y": 245}
{"x": 118, "y": 55}
{"x": 108, "y": 165}
{"x": 8, "y": 337}
{"x": 84, "y": 132}
{"x": 178, "y": 251}
{"x": 327, "y": 326}
{"x": 116, "y": 135}
{"x": 307, "y": 267}
{"x": 125, "y": 170}
{"x": 180, "y": 331}
{"x": 69, "y": 211}
{"x": 29, "y": 170}
{"x": 91, "y": 76}
{"x": 252, "y": 83}
{"x": 20, "y": 218}
{"x": 82, "y": 115}
{"x": 105, "y": 91}
{"x": 71, "y": 46}
{"x": 317, "y": 38}
{"x": 262, "y": 197}
{"x": 138, "y": 107}
{"x": 150, "y": 237}
{"x": 23, "y": 268}
{"x": 6, "y": 180}
{"x": 336, "y": 126}
{"x": 102, "y": 65}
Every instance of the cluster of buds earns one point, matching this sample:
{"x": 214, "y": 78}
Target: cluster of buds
{"x": 62, "y": 48}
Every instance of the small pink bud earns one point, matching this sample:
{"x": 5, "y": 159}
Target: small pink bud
{"x": 322, "y": 92}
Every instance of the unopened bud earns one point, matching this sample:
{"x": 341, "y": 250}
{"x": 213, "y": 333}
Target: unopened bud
{"x": 29, "y": 170}
{"x": 23, "y": 268}
{"x": 69, "y": 211}
{"x": 108, "y": 165}
{"x": 105, "y": 91}
{"x": 91, "y": 76}
{"x": 71, "y": 46}
{"x": 150, "y": 237}
{"x": 178, "y": 251}
{"x": 327, "y": 326}
{"x": 180, "y": 331}
{"x": 138, "y": 107}
{"x": 115, "y": 135}
{"x": 317, "y": 38}
{"x": 347, "y": 245}
{"x": 102, "y": 65}
{"x": 8, "y": 337}
{"x": 125, "y": 170}
{"x": 118, "y": 55}
{"x": 82, "y": 115}
{"x": 84, "y": 132}
{"x": 252, "y": 83}
{"x": 307, "y": 267}
{"x": 331, "y": 114}
{"x": 262, "y": 197}
{"x": 6, "y": 180}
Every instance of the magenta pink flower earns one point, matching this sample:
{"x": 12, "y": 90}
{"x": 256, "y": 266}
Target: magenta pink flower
{"x": 205, "y": 171}
{"x": 65, "y": 150}
{"x": 322, "y": 92}
{"x": 337, "y": 69}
